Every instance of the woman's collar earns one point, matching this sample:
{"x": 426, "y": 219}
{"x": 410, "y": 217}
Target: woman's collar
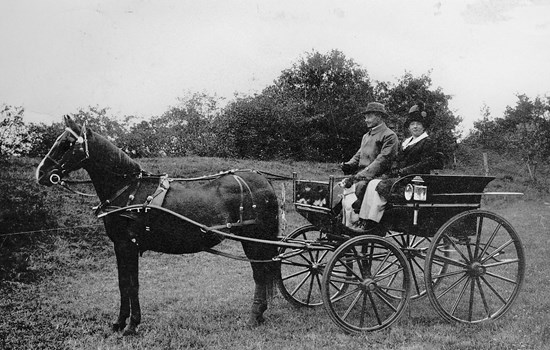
{"x": 411, "y": 141}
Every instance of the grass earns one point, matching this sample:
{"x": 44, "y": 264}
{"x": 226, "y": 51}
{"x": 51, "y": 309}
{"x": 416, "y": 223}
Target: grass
{"x": 202, "y": 301}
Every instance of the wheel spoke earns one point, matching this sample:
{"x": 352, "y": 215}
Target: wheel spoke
{"x": 501, "y": 277}
{"x": 374, "y": 308}
{"x": 300, "y": 284}
{"x": 482, "y": 294}
{"x": 318, "y": 282}
{"x": 490, "y": 241}
{"x": 379, "y": 278}
{"x": 449, "y": 274}
{"x": 386, "y": 267}
{"x": 444, "y": 259}
{"x": 415, "y": 272}
{"x": 345, "y": 295}
{"x": 502, "y": 262}
{"x": 386, "y": 301}
{"x": 471, "y": 306}
{"x": 296, "y": 274}
{"x": 497, "y": 251}
{"x": 456, "y": 248}
{"x": 350, "y": 270}
{"x": 493, "y": 290}
{"x": 400, "y": 290}
{"x": 460, "y": 295}
{"x": 352, "y": 305}
{"x": 452, "y": 286}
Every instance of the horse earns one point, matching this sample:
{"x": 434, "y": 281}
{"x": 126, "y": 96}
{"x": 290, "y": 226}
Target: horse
{"x": 241, "y": 201}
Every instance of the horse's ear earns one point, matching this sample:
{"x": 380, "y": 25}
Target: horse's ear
{"x": 70, "y": 123}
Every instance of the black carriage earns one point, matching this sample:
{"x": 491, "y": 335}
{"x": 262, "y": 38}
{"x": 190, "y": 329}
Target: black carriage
{"x": 437, "y": 242}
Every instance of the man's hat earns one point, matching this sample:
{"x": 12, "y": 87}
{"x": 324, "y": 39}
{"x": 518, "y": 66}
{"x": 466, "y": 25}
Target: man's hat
{"x": 375, "y": 107}
{"x": 418, "y": 113}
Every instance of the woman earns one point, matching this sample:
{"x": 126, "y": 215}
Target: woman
{"x": 416, "y": 155}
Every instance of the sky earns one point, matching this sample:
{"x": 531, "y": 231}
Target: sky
{"x": 138, "y": 57}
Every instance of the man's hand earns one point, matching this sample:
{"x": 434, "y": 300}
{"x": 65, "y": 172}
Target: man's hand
{"x": 346, "y": 168}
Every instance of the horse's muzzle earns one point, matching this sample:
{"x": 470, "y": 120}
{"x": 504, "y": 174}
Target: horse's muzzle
{"x": 47, "y": 178}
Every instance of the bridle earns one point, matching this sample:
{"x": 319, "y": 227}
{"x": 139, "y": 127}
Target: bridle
{"x": 68, "y": 162}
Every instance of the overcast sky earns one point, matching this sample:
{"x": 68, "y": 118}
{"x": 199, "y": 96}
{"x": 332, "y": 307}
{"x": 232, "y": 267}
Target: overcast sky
{"x": 138, "y": 57}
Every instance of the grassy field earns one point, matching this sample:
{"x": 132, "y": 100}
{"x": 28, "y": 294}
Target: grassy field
{"x": 202, "y": 301}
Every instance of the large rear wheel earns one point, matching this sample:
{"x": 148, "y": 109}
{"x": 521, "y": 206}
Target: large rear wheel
{"x": 375, "y": 277}
{"x": 486, "y": 267}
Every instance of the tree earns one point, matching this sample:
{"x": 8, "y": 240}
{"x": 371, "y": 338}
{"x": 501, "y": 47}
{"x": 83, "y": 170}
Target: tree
{"x": 527, "y": 128}
{"x": 43, "y": 137}
{"x": 14, "y": 134}
{"x": 185, "y": 129}
{"x": 99, "y": 120}
{"x": 330, "y": 88}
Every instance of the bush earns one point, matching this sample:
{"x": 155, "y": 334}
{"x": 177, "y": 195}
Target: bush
{"x": 22, "y": 209}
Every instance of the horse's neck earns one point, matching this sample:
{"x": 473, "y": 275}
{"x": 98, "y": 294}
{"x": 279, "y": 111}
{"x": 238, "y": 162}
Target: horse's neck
{"x": 109, "y": 168}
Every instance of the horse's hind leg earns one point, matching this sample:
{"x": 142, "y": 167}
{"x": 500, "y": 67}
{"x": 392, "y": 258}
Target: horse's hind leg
{"x": 259, "y": 305}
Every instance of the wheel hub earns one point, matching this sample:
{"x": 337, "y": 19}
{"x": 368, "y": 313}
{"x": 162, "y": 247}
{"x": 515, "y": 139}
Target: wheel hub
{"x": 477, "y": 269}
{"x": 315, "y": 268}
{"x": 369, "y": 284}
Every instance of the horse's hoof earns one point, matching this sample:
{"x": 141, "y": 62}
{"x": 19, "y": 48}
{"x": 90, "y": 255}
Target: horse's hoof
{"x": 254, "y": 322}
{"x": 117, "y": 327}
{"x": 129, "y": 330}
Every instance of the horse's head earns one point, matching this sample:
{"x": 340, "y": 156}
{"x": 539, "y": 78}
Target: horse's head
{"x": 68, "y": 153}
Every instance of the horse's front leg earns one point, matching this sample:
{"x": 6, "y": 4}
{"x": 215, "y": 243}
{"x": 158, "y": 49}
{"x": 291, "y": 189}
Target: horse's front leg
{"x": 127, "y": 262}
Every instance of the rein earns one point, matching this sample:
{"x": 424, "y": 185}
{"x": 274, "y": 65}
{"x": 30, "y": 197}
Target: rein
{"x": 65, "y": 185}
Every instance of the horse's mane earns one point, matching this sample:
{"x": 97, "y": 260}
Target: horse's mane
{"x": 107, "y": 154}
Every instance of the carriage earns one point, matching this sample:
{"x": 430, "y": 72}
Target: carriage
{"x": 436, "y": 240}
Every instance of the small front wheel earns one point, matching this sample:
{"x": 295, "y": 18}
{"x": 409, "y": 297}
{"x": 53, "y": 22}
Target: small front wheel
{"x": 376, "y": 279}
{"x": 302, "y": 269}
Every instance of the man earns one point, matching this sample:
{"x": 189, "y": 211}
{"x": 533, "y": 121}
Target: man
{"x": 374, "y": 158}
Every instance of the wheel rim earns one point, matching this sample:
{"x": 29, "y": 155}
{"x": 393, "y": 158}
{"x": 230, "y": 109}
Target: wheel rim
{"x": 486, "y": 266}
{"x": 302, "y": 269}
{"x": 377, "y": 278}
{"x": 415, "y": 249}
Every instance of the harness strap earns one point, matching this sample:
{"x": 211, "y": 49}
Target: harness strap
{"x": 101, "y": 205}
{"x": 242, "y": 183}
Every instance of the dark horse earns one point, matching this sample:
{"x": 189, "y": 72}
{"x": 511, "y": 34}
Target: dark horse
{"x": 241, "y": 201}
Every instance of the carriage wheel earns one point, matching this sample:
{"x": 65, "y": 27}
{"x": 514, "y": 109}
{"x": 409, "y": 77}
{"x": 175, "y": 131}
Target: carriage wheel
{"x": 302, "y": 269}
{"x": 377, "y": 279}
{"x": 486, "y": 265}
{"x": 415, "y": 249}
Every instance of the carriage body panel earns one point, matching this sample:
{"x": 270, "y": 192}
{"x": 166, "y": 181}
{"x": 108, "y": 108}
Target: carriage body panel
{"x": 446, "y": 196}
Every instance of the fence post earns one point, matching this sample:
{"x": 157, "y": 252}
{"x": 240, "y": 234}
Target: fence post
{"x": 485, "y": 164}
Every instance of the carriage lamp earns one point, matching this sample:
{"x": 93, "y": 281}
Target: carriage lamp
{"x": 416, "y": 190}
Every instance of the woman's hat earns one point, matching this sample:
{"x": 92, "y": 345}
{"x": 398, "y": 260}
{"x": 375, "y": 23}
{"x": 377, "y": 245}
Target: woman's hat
{"x": 418, "y": 113}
